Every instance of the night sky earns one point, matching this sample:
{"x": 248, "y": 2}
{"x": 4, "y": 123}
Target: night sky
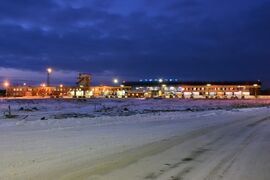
{"x": 135, "y": 39}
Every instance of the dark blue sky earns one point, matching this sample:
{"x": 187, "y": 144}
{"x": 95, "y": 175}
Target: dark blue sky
{"x": 135, "y": 39}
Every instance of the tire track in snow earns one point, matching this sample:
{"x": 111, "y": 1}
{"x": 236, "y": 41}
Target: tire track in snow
{"x": 188, "y": 163}
{"x": 121, "y": 160}
{"x": 225, "y": 164}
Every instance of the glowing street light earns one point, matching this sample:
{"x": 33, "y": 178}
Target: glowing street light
{"x": 115, "y": 81}
{"x": 256, "y": 89}
{"x": 6, "y": 84}
{"x": 160, "y": 80}
{"x": 43, "y": 85}
{"x": 49, "y": 72}
{"x": 61, "y": 89}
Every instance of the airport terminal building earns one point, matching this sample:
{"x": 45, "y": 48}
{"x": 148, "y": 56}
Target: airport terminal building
{"x": 158, "y": 88}
{"x": 194, "y": 89}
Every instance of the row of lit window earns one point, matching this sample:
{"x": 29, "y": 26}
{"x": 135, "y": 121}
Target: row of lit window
{"x": 20, "y": 89}
{"x": 216, "y": 89}
{"x": 196, "y": 88}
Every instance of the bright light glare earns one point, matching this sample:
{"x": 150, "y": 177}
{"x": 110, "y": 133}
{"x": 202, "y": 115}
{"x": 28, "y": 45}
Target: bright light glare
{"x": 6, "y": 84}
{"x": 49, "y": 70}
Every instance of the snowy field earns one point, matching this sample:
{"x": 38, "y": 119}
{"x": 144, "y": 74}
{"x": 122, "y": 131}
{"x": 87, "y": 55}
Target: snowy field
{"x": 135, "y": 139}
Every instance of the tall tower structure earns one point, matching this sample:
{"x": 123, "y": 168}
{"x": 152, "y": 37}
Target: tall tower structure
{"x": 83, "y": 82}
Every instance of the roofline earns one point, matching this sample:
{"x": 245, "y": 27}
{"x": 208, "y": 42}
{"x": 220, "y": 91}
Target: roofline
{"x": 152, "y": 83}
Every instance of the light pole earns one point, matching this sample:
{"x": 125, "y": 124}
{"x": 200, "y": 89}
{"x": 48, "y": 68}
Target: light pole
{"x": 255, "y": 90}
{"x": 49, "y": 71}
{"x": 6, "y": 85}
{"x": 61, "y": 89}
{"x": 161, "y": 92}
{"x": 115, "y": 81}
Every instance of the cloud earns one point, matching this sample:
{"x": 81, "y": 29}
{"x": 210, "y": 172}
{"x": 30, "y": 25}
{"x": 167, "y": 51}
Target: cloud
{"x": 18, "y": 77}
{"x": 187, "y": 39}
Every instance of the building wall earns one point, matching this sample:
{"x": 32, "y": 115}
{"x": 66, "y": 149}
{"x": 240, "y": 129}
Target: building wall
{"x": 110, "y": 91}
{"x": 194, "y": 91}
{"x": 22, "y": 91}
{"x": 148, "y": 91}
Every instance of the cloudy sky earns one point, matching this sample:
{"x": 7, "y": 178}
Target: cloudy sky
{"x": 135, "y": 39}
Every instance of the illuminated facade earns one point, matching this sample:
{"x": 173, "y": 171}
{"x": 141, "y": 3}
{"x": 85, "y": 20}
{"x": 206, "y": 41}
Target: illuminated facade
{"x": 143, "y": 89}
{"x": 178, "y": 89}
{"x": 110, "y": 91}
{"x": 40, "y": 91}
{"x": 68, "y": 91}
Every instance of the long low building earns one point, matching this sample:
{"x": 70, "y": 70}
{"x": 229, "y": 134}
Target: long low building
{"x": 146, "y": 89}
{"x": 40, "y": 91}
{"x": 67, "y": 91}
{"x": 194, "y": 89}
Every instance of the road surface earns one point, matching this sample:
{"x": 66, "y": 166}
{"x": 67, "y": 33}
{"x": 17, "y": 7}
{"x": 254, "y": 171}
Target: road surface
{"x": 212, "y": 145}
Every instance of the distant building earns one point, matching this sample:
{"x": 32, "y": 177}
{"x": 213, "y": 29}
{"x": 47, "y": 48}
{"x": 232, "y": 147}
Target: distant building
{"x": 40, "y": 91}
{"x": 145, "y": 89}
{"x": 82, "y": 88}
{"x": 203, "y": 89}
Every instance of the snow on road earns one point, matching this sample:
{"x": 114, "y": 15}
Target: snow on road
{"x": 135, "y": 139}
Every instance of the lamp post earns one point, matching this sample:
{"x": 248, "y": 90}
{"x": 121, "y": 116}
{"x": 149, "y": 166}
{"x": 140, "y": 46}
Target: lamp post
{"x": 160, "y": 93}
{"x": 114, "y": 93}
{"x": 6, "y": 85}
{"x": 49, "y": 71}
{"x": 61, "y": 89}
{"x": 255, "y": 90}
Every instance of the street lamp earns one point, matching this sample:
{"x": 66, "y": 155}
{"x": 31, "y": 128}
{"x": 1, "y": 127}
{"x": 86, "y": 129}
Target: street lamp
{"x": 61, "y": 89}
{"x": 6, "y": 85}
{"x": 255, "y": 90}
{"x": 49, "y": 71}
{"x": 115, "y": 81}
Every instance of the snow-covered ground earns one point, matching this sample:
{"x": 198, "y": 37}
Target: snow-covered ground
{"x": 103, "y": 139}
